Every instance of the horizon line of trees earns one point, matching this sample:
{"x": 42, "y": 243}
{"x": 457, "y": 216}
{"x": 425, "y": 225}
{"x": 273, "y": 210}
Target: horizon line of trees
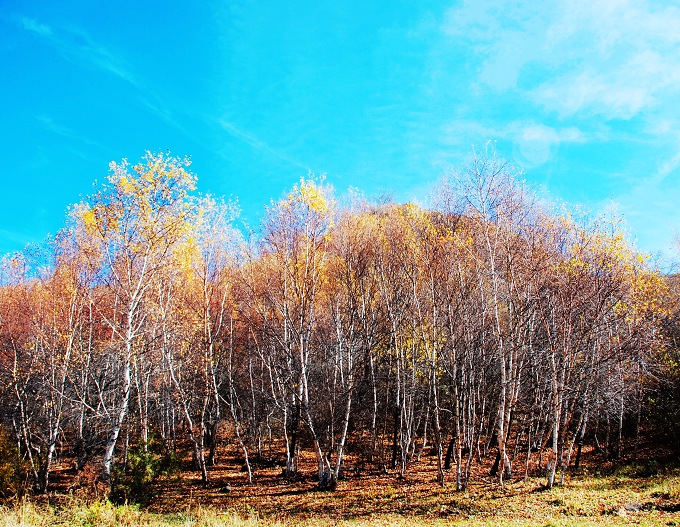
{"x": 486, "y": 326}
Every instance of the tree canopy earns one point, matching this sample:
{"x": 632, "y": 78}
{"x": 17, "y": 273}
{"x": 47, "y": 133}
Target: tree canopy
{"x": 486, "y": 327}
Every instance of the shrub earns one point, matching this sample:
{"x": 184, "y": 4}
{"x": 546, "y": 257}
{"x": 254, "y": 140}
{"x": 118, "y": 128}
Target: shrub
{"x": 145, "y": 463}
{"x": 13, "y": 469}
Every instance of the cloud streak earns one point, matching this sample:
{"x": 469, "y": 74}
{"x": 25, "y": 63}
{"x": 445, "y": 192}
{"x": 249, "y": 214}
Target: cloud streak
{"x": 36, "y": 27}
{"x": 18, "y": 237}
{"x": 66, "y": 132}
{"x": 76, "y": 45}
{"x": 258, "y": 145}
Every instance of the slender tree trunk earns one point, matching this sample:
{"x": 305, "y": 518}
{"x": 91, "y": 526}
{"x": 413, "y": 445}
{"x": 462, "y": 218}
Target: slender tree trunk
{"x": 619, "y": 446}
{"x": 119, "y": 415}
{"x": 552, "y": 466}
{"x": 437, "y": 430}
{"x": 339, "y": 462}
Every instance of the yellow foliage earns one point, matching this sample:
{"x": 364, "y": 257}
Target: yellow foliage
{"x": 309, "y": 194}
{"x": 187, "y": 255}
{"x": 126, "y": 185}
{"x": 313, "y": 197}
{"x": 574, "y": 266}
{"x": 89, "y": 219}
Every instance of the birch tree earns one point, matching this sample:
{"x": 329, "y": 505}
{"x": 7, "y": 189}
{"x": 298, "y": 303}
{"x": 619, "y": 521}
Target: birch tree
{"x": 128, "y": 231}
{"x": 295, "y": 239}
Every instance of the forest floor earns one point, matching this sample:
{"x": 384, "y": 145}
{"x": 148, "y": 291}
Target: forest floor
{"x": 646, "y": 493}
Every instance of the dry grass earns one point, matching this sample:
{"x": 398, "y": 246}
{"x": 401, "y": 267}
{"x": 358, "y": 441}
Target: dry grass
{"x": 622, "y": 497}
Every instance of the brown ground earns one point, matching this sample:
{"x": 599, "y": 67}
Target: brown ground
{"x": 357, "y": 495}
{"x": 360, "y": 493}
{"x": 363, "y": 494}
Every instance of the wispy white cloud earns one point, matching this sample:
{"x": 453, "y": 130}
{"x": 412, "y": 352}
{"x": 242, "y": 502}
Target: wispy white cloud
{"x": 460, "y": 132}
{"x": 620, "y": 92}
{"x": 536, "y": 142}
{"x": 595, "y": 72}
{"x": 66, "y": 132}
{"x": 17, "y": 236}
{"x": 153, "y": 104}
{"x": 613, "y": 58}
{"x": 258, "y": 144}
{"x": 36, "y": 27}
{"x": 627, "y": 54}
{"x": 78, "y": 46}
{"x": 504, "y": 36}
{"x": 668, "y": 166}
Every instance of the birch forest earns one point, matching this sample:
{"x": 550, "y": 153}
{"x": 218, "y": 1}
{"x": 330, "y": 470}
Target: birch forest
{"x": 491, "y": 331}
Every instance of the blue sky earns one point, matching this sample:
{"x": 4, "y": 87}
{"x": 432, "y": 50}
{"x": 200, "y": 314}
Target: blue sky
{"x": 584, "y": 95}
